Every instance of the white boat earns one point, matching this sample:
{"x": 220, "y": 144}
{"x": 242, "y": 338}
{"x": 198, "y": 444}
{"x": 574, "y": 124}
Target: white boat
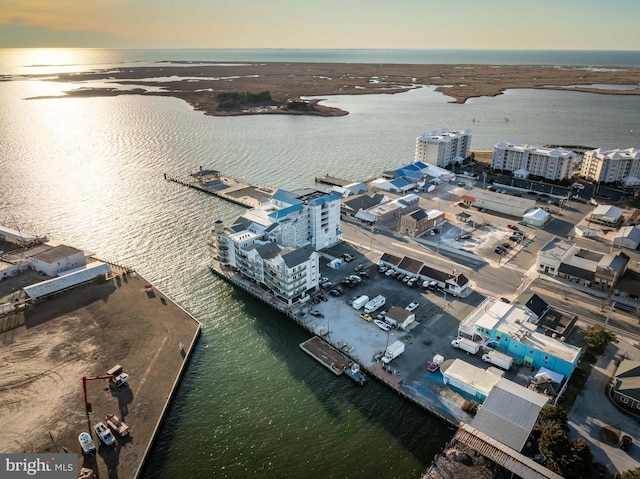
{"x": 382, "y": 325}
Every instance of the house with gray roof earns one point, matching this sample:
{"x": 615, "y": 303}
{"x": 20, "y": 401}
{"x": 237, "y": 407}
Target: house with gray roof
{"x": 625, "y": 391}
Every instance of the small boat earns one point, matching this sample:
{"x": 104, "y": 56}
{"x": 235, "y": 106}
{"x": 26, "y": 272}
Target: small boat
{"x": 382, "y": 325}
{"x": 354, "y": 373}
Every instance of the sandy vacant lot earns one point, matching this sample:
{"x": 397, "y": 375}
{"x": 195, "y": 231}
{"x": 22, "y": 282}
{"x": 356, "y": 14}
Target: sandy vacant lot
{"x": 47, "y": 350}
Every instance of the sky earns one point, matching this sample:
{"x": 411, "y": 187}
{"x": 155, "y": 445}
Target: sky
{"x": 456, "y": 24}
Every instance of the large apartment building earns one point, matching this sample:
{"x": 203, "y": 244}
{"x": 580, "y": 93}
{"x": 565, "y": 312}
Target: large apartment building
{"x": 276, "y": 243}
{"x": 609, "y": 166}
{"x": 443, "y": 147}
{"x": 532, "y": 160}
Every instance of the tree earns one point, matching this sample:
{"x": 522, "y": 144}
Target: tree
{"x": 554, "y": 445}
{"x": 630, "y": 474}
{"x": 597, "y": 337}
{"x": 581, "y": 460}
{"x": 554, "y": 414}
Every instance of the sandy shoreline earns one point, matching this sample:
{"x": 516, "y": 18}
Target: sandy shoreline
{"x": 200, "y": 84}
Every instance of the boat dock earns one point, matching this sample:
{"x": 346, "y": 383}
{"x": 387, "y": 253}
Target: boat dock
{"x": 332, "y": 180}
{"x": 327, "y": 355}
{"x": 225, "y": 187}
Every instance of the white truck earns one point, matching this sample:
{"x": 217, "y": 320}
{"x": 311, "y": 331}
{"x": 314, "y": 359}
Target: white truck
{"x": 374, "y": 304}
{"x": 360, "y": 301}
{"x": 499, "y": 359}
{"x": 465, "y": 344}
{"x": 393, "y": 351}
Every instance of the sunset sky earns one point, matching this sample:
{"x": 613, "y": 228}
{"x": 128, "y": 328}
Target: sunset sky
{"x": 483, "y": 24}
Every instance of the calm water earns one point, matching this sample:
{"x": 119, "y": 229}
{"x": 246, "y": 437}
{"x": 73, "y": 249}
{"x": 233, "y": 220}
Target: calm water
{"x": 89, "y": 172}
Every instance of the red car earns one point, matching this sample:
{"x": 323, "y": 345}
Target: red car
{"x": 512, "y": 227}
{"x": 433, "y": 367}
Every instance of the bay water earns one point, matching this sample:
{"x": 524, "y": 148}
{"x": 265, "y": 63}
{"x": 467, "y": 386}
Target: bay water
{"x": 89, "y": 172}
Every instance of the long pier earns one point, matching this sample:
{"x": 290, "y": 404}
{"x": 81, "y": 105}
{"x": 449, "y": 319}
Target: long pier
{"x": 225, "y": 187}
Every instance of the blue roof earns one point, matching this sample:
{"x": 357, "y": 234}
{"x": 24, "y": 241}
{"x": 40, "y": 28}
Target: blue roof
{"x": 324, "y": 199}
{"x": 284, "y": 212}
{"x": 420, "y": 165}
{"x": 286, "y": 197}
{"x": 400, "y": 182}
{"x": 410, "y": 166}
{"x": 412, "y": 174}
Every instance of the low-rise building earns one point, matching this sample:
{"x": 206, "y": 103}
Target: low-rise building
{"x": 607, "y": 215}
{"x": 537, "y": 217}
{"x": 513, "y": 330}
{"x": 419, "y": 221}
{"x": 625, "y": 391}
{"x": 500, "y": 203}
{"x": 553, "y": 253}
{"x": 401, "y": 316}
{"x": 472, "y": 380}
{"x": 56, "y": 259}
{"x": 509, "y": 413}
{"x": 627, "y": 237}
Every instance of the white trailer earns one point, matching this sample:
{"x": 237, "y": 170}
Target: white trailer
{"x": 465, "y": 344}
{"x": 374, "y": 304}
{"x": 499, "y": 359}
{"x": 393, "y": 351}
{"x": 360, "y": 301}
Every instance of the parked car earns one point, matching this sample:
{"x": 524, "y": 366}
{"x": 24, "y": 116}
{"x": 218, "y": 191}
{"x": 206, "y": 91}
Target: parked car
{"x": 366, "y": 317}
{"x": 360, "y": 267}
{"x": 522, "y": 223}
{"x": 505, "y": 300}
{"x": 512, "y": 227}
{"x": 499, "y": 250}
{"x": 104, "y": 433}
{"x": 334, "y": 292}
{"x": 86, "y": 444}
{"x": 400, "y": 277}
{"x": 383, "y": 269}
{"x": 412, "y": 306}
{"x": 506, "y": 245}
{"x": 515, "y": 239}
{"x": 381, "y": 314}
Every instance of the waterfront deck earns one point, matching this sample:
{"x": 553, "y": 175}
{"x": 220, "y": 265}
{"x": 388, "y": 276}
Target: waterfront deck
{"x": 325, "y": 354}
{"x": 226, "y": 187}
{"x": 332, "y": 180}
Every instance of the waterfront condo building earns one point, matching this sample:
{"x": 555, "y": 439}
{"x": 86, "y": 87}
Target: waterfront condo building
{"x": 532, "y": 160}
{"x": 276, "y": 243}
{"x": 610, "y": 166}
{"x": 443, "y": 147}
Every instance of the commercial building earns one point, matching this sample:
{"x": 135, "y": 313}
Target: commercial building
{"x": 627, "y": 237}
{"x": 533, "y": 160}
{"x": 607, "y": 215}
{"x": 498, "y": 202}
{"x": 537, "y": 217}
{"x": 513, "y": 330}
{"x": 509, "y": 413}
{"x": 553, "y": 253}
{"x": 56, "y": 259}
{"x": 611, "y": 166}
{"x": 443, "y": 147}
{"x": 419, "y": 221}
{"x": 452, "y": 283}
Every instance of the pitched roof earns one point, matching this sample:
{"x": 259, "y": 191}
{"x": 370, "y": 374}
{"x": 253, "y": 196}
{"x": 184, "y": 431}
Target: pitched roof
{"x": 537, "y": 305}
{"x": 391, "y": 259}
{"x": 399, "y": 314}
{"x": 298, "y": 256}
{"x": 411, "y": 265}
{"x": 509, "y": 413}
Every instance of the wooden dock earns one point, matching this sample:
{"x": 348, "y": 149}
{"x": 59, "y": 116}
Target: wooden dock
{"x": 332, "y": 180}
{"x": 326, "y": 355}
{"x": 225, "y": 187}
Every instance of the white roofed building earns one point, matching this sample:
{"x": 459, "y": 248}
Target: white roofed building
{"x": 443, "y": 147}
{"x": 56, "y": 259}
